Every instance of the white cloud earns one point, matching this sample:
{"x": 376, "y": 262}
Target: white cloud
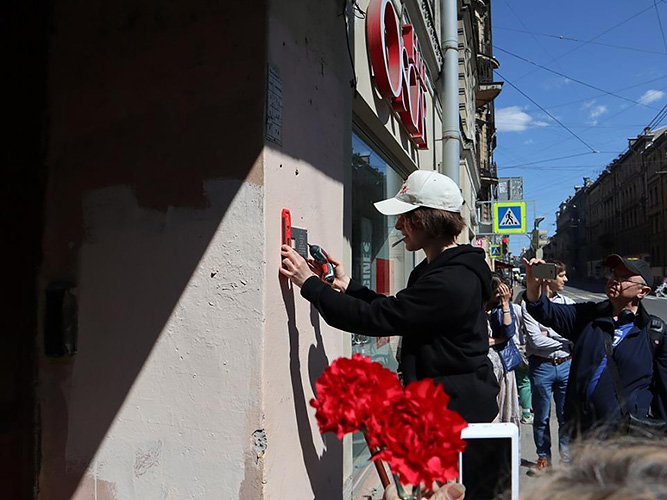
{"x": 556, "y": 83}
{"x": 514, "y": 119}
{"x": 529, "y": 142}
{"x": 595, "y": 111}
{"x": 651, "y": 96}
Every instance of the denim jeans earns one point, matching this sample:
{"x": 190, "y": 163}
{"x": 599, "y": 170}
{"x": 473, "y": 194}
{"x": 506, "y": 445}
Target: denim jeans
{"x": 545, "y": 380}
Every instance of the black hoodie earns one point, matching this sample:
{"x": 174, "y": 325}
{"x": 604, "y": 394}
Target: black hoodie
{"x": 440, "y": 315}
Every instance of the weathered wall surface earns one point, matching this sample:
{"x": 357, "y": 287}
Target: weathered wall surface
{"x": 306, "y": 174}
{"x": 155, "y": 211}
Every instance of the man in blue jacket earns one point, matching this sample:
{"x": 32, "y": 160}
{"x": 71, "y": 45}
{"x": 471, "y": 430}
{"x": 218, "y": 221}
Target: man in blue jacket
{"x": 591, "y": 400}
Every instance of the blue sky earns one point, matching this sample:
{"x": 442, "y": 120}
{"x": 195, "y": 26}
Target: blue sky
{"x": 626, "y": 55}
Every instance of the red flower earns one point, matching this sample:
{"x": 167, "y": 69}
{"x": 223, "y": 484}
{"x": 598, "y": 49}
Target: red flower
{"x": 418, "y": 436}
{"x": 350, "y": 391}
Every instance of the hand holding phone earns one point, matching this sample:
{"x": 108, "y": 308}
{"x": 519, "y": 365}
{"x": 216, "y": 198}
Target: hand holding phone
{"x": 533, "y": 282}
{"x": 545, "y": 271}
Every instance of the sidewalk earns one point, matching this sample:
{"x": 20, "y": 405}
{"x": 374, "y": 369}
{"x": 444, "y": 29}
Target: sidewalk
{"x": 528, "y": 452}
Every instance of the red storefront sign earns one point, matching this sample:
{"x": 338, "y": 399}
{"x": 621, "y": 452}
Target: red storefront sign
{"x": 398, "y": 67}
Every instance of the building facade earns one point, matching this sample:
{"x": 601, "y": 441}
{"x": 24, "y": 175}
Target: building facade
{"x": 570, "y": 243}
{"x": 622, "y": 212}
{"x": 159, "y": 354}
{"x": 655, "y": 162}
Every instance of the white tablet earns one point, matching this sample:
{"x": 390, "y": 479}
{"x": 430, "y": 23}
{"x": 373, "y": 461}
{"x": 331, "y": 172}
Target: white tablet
{"x": 507, "y": 437}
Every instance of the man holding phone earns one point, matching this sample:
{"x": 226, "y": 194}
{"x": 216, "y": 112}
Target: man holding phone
{"x": 612, "y": 348}
{"x": 549, "y": 358}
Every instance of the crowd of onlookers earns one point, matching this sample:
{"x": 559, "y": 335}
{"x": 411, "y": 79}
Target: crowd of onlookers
{"x": 542, "y": 370}
{"x": 604, "y": 364}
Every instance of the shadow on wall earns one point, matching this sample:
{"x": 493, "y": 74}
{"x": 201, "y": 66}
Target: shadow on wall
{"x": 332, "y": 456}
{"x": 155, "y": 182}
{"x": 156, "y": 127}
{"x": 24, "y": 33}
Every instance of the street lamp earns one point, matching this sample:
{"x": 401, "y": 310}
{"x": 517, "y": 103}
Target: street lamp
{"x": 536, "y": 241}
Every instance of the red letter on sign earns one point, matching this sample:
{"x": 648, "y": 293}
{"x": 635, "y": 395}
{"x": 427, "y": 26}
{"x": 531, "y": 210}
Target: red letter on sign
{"x": 384, "y": 47}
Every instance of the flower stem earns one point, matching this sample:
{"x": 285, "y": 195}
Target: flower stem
{"x": 399, "y": 488}
{"x": 379, "y": 464}
{"x": 419, "y": 492}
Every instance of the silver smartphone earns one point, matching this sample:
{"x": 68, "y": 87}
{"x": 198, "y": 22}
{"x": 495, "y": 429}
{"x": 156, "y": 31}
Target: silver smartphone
{"x": 545, "y": 271}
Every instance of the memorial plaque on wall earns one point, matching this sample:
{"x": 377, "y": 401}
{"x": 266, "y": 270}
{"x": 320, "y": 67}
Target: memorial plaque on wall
{"x": 274, "y": 107}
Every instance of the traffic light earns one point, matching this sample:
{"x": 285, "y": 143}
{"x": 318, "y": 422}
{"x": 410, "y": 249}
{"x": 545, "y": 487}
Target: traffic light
{"x": 539, "y": 239}
{"x": 504, "y": 245}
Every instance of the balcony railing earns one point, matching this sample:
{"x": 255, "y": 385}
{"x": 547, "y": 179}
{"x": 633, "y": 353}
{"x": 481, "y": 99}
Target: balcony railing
{"x": 488, "y": 170}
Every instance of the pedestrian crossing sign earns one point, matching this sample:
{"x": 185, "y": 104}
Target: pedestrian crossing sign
{"x": 494, "y": 251}
{"x": 509, "y": 217}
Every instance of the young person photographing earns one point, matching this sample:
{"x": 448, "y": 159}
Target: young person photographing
{"x": 440, "y": 314}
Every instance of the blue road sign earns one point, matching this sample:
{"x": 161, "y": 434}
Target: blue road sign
{"x": 509, "y": 217}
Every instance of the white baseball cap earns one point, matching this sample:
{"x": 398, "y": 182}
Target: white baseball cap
{"x": 424, "y": 188}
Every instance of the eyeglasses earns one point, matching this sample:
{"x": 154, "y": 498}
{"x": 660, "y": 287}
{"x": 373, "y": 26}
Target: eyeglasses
{"x": 611, "y": 275}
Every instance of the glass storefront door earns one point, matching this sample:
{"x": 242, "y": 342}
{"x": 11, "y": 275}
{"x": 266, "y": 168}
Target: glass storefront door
{"x": 375, "y": 262}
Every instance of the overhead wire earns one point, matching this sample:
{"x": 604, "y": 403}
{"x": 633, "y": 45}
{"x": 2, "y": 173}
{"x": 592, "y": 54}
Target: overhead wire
{"x": 594, "y": 38}
{"x": 549, "y": 184}
{"x": 587, "y": 126}
{"x": 657, "y": 119}
{"x": 662, "y": 32}
{"x": 571, "y": 78}
{"x": 552, "y": 159}
{"x": 594, "y": 126}
{"x": 526, "y": 27}
{"x": 571, "y": 39}
{"x": 600, "y": 95}
{"x": 554, "y": 168}
{"x": 547, "y": 112}
{"x": 661, "y": 114}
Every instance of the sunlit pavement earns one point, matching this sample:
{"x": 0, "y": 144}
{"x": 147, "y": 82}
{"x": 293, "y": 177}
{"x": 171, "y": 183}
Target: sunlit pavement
{"x": 528, "y": 454}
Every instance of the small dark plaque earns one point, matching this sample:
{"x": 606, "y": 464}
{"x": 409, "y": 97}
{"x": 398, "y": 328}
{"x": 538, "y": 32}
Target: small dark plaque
{"x": 300, "y": 237}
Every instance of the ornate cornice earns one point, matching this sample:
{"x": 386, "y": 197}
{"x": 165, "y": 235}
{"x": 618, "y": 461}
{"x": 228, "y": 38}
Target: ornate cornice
{"x": 431, "y": 29}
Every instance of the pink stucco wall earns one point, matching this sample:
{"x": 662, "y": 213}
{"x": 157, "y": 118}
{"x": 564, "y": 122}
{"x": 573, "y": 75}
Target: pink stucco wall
{"x": 155, "y": 210}
{"x": 306, "y": 174}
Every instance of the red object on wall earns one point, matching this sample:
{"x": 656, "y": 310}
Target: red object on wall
{"x": 398, "y": 68}
{"x": 382, "y": 276}
{"x": 286, "y": 227}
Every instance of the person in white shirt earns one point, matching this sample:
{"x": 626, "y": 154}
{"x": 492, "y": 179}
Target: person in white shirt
{"x": 549, "y": 358}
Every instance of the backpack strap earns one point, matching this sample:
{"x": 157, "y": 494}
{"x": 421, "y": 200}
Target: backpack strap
{"x": 615, "y": 378}
{"x": 656, "y": 336}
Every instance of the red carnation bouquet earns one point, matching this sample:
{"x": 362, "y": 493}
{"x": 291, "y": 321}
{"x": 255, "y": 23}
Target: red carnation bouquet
{"x": 411, "y": 429}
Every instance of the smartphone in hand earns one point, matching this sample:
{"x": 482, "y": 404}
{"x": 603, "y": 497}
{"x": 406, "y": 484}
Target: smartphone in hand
{"x": 545, "y": 271}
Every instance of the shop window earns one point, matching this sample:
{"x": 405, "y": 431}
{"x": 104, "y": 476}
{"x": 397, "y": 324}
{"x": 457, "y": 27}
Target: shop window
{"x": 376, "y": 263}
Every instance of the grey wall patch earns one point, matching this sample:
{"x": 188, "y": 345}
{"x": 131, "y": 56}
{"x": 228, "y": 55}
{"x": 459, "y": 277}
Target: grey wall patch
{"x": 147, "y": 457}
{"x": 259, "y": 442}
